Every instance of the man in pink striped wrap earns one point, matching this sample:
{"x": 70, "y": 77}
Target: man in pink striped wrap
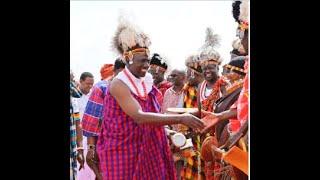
{"x": 132, "y": 143}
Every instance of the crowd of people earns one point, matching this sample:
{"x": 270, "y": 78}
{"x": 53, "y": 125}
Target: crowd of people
{"x": 122, "y": 128}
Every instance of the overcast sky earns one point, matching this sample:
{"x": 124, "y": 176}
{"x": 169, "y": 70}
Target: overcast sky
{"x": 176, "y": 29}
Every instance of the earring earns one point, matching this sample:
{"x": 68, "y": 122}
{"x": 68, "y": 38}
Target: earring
{"x": 130, "y": 61}
{"x": 192, "y": 74}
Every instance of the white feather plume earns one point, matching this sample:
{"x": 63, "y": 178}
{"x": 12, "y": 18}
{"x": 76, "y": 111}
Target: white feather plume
{"x": 244, "y": 11}
{"x": 212, "y": 40}
{"x": 208, "y": 50}
{"x": 128, "y": 36}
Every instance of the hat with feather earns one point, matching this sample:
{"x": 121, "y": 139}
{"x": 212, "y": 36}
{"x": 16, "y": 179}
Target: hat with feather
{"x": 240, "y": 11}
{"x": 159, "y": 63}
{"x": 193, "y": 63}
{"x": 130, "y": 40}
{"x": 208, "y": 53}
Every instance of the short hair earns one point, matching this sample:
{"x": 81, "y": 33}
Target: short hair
{"x": 119, "y": 64}
{"x": 84, "y": 75}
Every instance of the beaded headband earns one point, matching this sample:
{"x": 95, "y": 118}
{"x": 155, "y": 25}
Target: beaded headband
{"x": 129, "y": 54}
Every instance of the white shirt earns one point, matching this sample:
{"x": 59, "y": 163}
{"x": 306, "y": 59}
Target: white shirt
{"x": 82, "y": 103}
{"x": 75, "y": 105}
{"x": 207, "y": 91}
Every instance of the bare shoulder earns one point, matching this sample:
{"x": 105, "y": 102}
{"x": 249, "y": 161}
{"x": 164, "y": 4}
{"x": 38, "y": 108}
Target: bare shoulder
{"x": 117, "y": 87}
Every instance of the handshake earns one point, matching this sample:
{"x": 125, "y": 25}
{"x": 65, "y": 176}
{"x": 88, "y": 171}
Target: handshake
{"x": 205, "y": 124}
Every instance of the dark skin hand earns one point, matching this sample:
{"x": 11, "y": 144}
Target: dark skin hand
{"x": 80, "y": 156}
{"x": 132, "y": 108}
{"x": 92, "y": 158}
{"x": 234, "y": 139}
{"x": 225, "y": 115}
{"x": 93, "y": 163}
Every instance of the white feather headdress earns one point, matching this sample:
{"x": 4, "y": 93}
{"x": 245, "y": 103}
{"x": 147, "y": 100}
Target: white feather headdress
{"x": 244, "y": 11}
{"x": 129, "y": 36}
{"x": 208, "y": 50}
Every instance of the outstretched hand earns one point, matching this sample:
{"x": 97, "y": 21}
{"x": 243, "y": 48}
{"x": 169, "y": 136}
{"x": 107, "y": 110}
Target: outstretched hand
{"x": 210, "y": 121}
{"x": 192, "y": 122}
{"x": 203, "y": 113}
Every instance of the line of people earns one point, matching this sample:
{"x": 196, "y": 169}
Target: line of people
{"x": 119, "y": 129}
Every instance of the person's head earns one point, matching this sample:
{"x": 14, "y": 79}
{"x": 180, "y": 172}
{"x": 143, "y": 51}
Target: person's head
{"x": 119, "y": 65}
{"x": 157, "y": 69}
{"x": 158, "y": 76}
{"x": 178, "y": 77}
{"x": 133, "y": 45}
{"x": 194, "y": 77}
{"x": 209, "y": 57}
{"x": 169, "y": 79}
{"x": 210, "y": 71}
{"x": 234, "y": 70}
{"x": 86, "y": 82}
{"x": 140, "y": 65}
{"x": 240, "y": 14}
{"x": 194, "y": 71}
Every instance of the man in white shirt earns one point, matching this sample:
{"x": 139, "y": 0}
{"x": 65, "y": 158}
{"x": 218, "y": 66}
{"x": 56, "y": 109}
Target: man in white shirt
{"x": 86, "y": 83}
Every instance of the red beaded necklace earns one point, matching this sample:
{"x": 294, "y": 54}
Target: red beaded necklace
{"x": 135, "y": 86}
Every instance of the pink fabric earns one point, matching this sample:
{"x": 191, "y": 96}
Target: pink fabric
{"x": 128, "y": 150}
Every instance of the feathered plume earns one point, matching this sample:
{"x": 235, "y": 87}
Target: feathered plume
{"x": 128, "y": 36}
{"x": 212, "y": 40}
{"x": 208, "y": 49}
{"x": 244, "y": 10}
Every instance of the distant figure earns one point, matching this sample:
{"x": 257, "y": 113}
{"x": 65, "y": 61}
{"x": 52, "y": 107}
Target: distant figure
{"x": 173, "y": 97}
{"x": 195, "y": 77}
{"x": 158, "y": 67}
{"x": 86, "y": 83}
{"x": 76, "y": 148}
